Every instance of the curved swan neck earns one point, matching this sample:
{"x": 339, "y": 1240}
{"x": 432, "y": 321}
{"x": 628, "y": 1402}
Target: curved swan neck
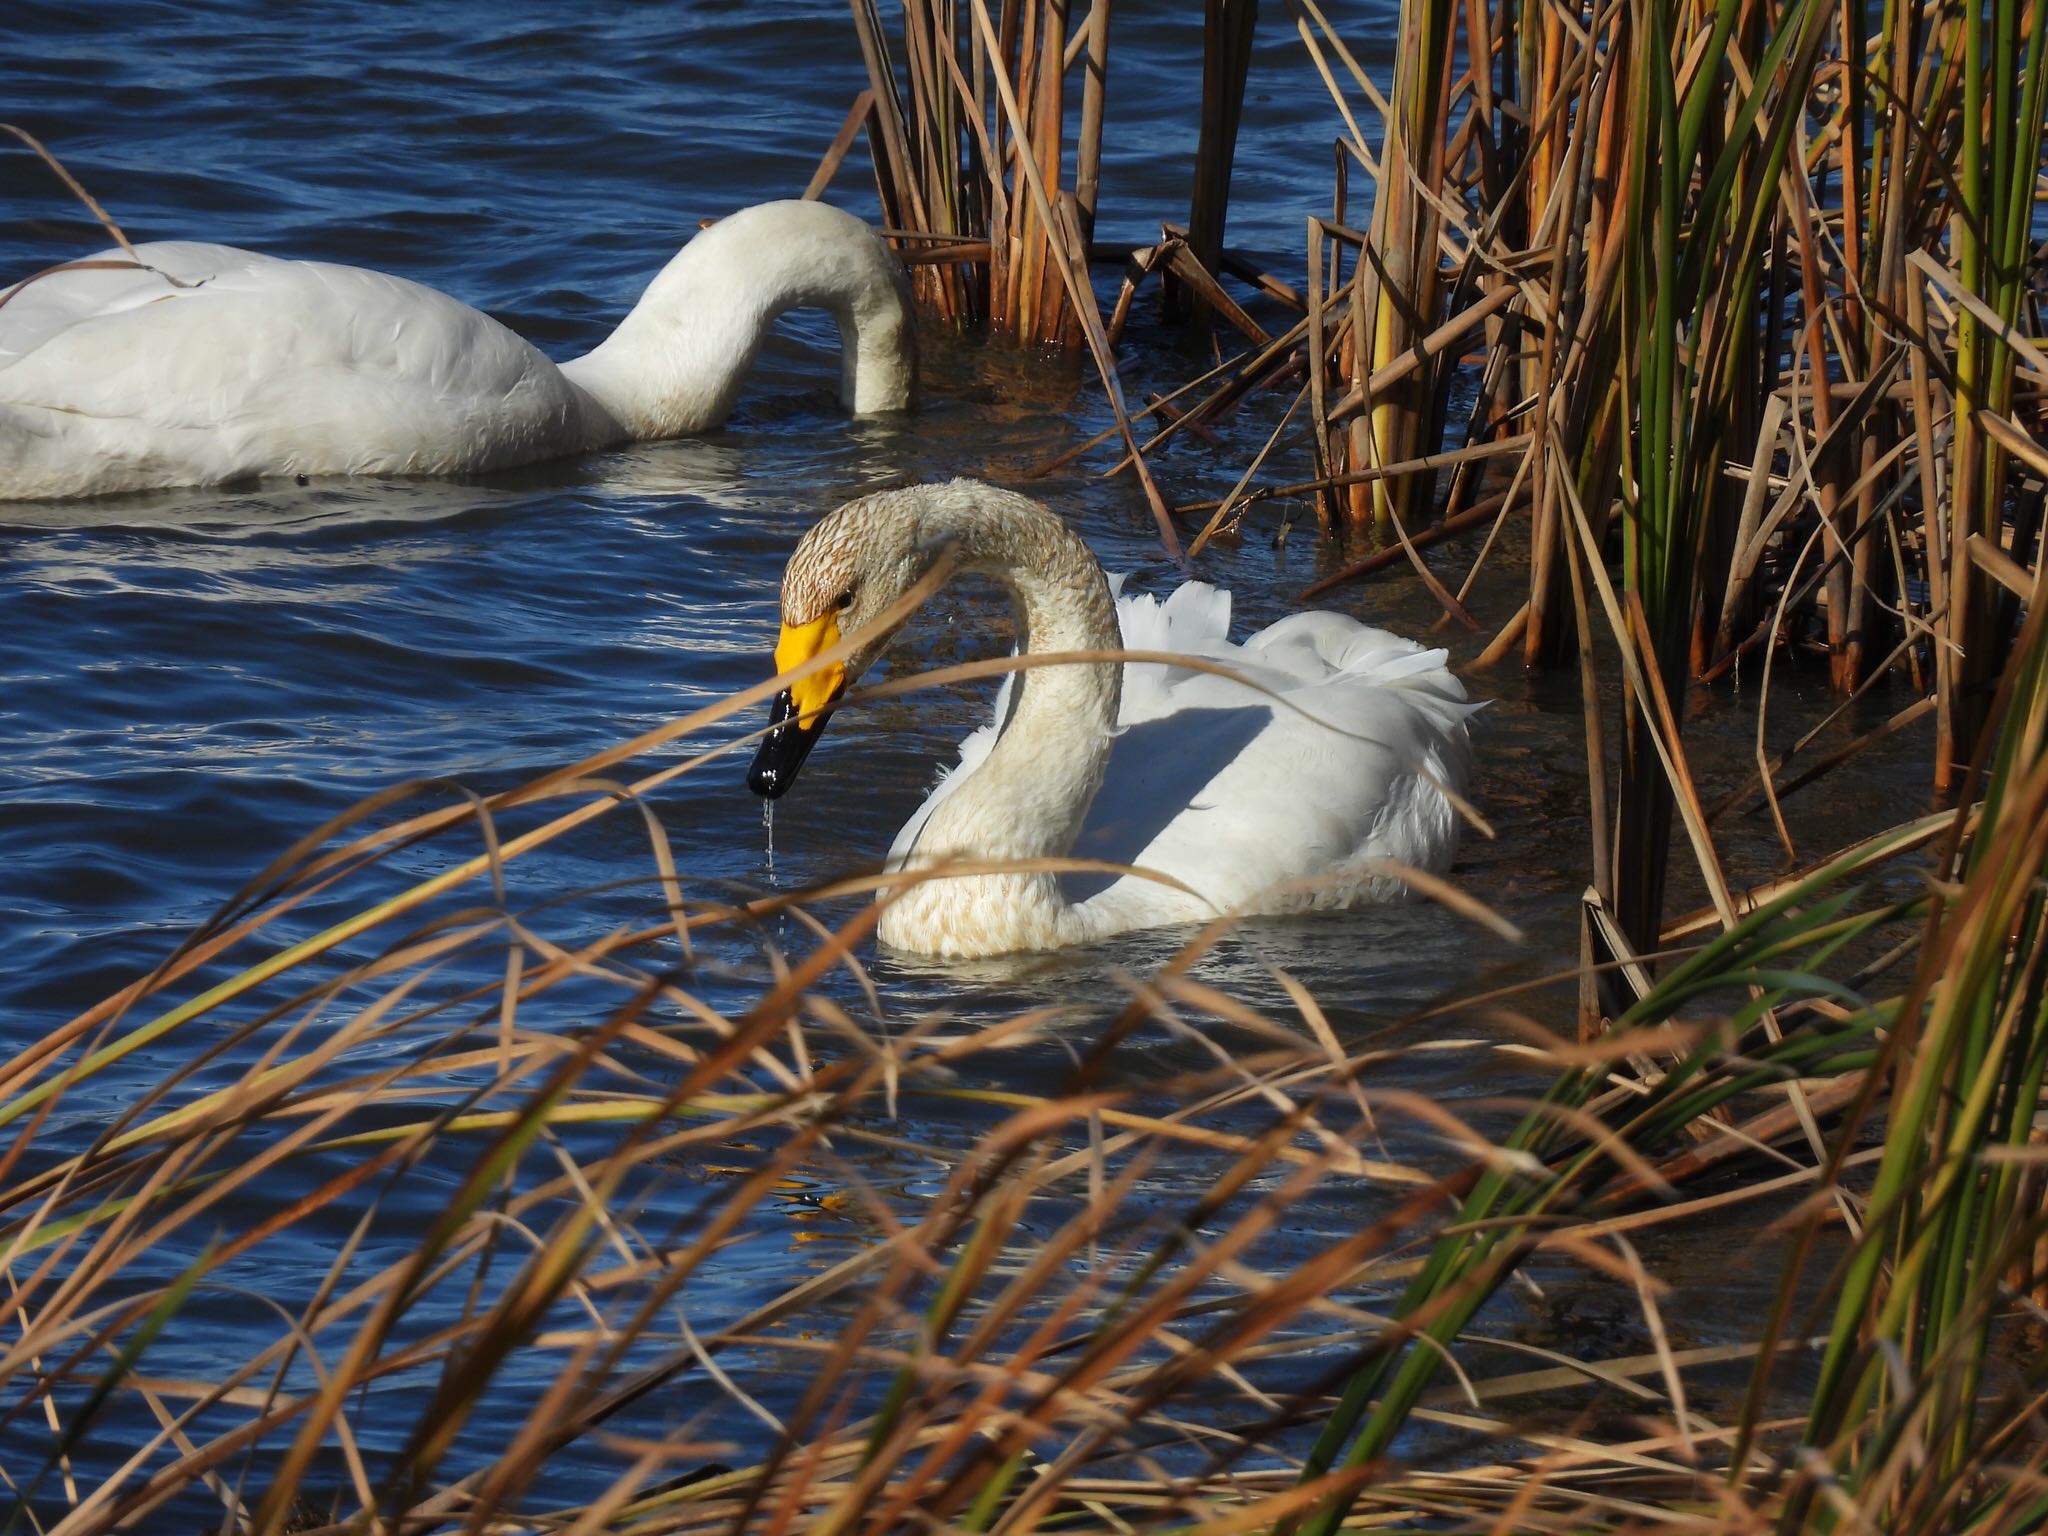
{"x": 1054, "y": 743}
{"x": 1030, "y": 795}
{"x": 675, "y": 364}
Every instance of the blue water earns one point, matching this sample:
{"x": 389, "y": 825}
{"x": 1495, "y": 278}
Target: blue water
{"x": 190, "y": 682}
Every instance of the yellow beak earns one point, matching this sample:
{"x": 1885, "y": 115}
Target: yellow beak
{"x": 799, "y": 643}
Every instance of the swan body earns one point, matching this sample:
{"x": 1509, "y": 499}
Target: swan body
{"x": 207, "y": 364}
{"x": 1286, "y": 791}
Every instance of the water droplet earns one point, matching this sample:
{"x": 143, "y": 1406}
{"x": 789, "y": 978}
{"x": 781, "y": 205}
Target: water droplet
{"x": 768, "y": 826}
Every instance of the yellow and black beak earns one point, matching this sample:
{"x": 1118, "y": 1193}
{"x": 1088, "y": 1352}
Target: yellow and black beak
{"x": 801, "y": 710}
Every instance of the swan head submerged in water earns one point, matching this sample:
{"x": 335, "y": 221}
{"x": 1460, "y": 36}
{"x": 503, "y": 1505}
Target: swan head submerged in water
{"x": 1285, "y": 773}
{"x": 676, "y": 362}
{"x": 205, "y": 365}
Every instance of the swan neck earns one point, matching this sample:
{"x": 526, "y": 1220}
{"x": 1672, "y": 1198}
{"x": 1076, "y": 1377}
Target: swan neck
{"x": 676, "y": 363}
{"x": 1030, "y": 796}
{"x": 1056, "y": 739}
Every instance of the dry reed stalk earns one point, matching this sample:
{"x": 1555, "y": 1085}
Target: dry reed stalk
{"x": 1227, "y": 32}
{"x": 996, "y": 1342}
{"x": 953, "y": 163}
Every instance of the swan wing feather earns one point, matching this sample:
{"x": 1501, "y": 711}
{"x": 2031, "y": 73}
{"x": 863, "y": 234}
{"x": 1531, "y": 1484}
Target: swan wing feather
{"x": 1193, "y": 620}
{"x": 1264, "y": 803}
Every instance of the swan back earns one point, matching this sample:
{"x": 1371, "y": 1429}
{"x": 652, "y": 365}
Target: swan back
{"x": 216, "y": 365}
{"x": 111, "y": 283}
{"x": 208, "y": 365}
{"x": 1283, "y": 786}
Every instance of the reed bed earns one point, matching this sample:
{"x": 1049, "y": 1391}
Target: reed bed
{"x": 1739, "y": 329}
{"x": 1016, "y": 1339}
{"x": 1740, "y": 301}
{"x": 1719, "y": 326}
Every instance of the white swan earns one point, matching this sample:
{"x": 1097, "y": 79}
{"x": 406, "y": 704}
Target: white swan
{"x": 1255, "y": 805}
{"x": 118, "y": 378}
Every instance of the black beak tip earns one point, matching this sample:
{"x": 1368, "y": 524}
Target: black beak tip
{"x": 768, "y": 780}
{"x": 783, "y": 749}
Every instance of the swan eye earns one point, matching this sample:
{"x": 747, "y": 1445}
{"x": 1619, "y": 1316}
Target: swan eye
{"x": 844, "y": 599}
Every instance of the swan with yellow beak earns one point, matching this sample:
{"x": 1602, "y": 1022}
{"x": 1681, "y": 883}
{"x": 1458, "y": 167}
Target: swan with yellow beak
{"x": 1300, "y": 769}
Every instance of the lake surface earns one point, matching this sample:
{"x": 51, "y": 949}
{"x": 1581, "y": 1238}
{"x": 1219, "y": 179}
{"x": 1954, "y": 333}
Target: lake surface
{"x": 191, "y": 681}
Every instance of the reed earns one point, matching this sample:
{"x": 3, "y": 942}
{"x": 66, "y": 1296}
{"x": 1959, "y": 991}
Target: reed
{"x": 964, "y": 162}
{"x": 968, "y": 130}
{"x": 1952, "y": 1216}
{"x": 968, "y": 148}
{"x": 1227, "y": 30}
{"x": 596, "y": 1095}
{"x": 1725, "y": 306}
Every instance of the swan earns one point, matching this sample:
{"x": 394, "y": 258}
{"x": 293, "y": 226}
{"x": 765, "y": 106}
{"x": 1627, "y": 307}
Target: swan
{"x": 1252, "y": 804}
{"x": 206, "y": 364}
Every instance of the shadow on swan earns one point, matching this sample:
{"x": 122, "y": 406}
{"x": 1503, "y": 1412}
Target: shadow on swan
{"x": 210, "y": 365}
{"x": 1278, "y": 797}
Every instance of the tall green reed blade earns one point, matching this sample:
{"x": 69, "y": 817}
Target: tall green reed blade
{"x": 1692, "y": 281}
{"x": 1921, "y": 1296}
{"x": 1996, "y": 196}
{"x": 1550, "y": 1164}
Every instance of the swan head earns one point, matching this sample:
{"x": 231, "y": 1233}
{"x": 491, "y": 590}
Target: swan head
{"x": 846, "y": 580}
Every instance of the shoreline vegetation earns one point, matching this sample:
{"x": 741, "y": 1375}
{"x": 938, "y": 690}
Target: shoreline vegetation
{"x": 1712, "y": 333}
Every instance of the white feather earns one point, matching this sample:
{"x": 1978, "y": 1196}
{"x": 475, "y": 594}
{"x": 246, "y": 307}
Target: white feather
{"x": 210, "y": 364}
{"x": 1281, "y": 786}
{"x": 1298, "y": 769}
